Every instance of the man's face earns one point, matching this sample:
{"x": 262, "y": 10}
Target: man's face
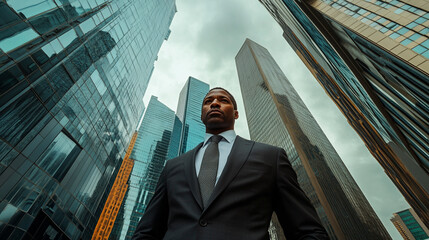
{"x": 218, "y": 112}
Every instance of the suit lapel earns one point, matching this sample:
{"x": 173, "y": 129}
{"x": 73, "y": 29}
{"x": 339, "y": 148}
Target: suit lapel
{"x": 238, "y": 156}
{"x": 191, "y": 175}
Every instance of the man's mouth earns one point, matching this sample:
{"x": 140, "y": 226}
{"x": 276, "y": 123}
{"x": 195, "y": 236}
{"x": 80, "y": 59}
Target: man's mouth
{"x": 214, "y": 112}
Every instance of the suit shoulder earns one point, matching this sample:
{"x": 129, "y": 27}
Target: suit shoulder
{"x": 268, "y": 147}
{"x": 263, "y": 147}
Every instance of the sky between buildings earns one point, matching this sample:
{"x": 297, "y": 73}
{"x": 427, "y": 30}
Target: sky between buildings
{"x": 205, "y": 38}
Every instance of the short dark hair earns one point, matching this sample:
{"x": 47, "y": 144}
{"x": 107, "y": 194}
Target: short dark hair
{"x": 234, "y": 103}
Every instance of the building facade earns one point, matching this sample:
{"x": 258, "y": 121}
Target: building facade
{"x": 188, "y": 128}
{"x": 149, "y": 156}
{"x": 73, "y": 74}
{"x": 409, "y": 225}
{"x": 371, "y": 57}
{"x": 276, "y": 115}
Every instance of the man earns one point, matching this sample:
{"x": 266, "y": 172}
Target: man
{"x": 227, "y": 187}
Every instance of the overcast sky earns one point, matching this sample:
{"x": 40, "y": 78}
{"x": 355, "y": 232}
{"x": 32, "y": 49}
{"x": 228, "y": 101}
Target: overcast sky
{"x": 205, "y": 38}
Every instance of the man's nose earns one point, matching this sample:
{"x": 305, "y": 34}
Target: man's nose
{"x": 215, "y": 103}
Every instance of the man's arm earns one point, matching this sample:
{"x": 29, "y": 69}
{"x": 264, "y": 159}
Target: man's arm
{"x": 294, "y": 210}
{"x": 153, "y": 224}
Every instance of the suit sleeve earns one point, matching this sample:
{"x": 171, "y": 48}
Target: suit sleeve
{"x": 153, "y": 224}
{"x": 294, "y": 210}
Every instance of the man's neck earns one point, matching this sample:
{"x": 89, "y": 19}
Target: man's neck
{"x": 217, "y": 131}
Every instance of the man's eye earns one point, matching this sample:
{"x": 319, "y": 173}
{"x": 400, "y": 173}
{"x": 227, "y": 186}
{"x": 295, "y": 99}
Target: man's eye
{"x": 225, "y": 101}
{"x": 207, "y": 101}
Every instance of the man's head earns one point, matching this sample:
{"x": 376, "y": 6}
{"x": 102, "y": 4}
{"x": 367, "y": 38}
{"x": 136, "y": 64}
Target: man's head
{"x": 219, "y": 111}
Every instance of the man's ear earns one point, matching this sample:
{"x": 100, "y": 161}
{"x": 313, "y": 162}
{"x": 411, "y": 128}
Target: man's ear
{"x": 235, "y": 114}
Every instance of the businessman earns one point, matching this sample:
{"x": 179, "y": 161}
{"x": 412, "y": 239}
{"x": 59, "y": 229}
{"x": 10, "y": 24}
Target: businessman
{"x": 228, "y": 187}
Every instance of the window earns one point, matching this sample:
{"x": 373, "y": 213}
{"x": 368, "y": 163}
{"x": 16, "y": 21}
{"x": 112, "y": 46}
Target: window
{"x": 383, "y": 30}
{"x": 403, "y": 30}
{"x": 405, "y": 42}
{"x": 411, "y": 25}
{"x": 59, "y": 156}
{"x": 424, "y": 31}
{"x": 425, "y": 43}
{"x": 398, "y": 11}
{"x": 420, "y": 20}
{"x": 415, "y": 36}
{"x": 17, "y": 39}
{"x": 31, "y": 8}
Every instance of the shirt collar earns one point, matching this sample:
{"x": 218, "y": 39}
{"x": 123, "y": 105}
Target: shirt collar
{"x": 229, "y": 136}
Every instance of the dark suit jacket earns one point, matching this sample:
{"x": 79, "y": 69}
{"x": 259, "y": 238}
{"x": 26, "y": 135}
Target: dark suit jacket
{"x": 257, "y": 180}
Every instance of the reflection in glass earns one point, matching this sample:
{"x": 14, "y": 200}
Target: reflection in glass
{"x": 7, "y": 213}
{"x": 31, "y": 8}
{"x": 67, "y": 38}
{"x": 78, "y": 6}
{"x": 87, "y": 25}
{"x": 64, "y": 104}
{"x": 49, "y": 50}
{"x": 99, "y": 84}
{"x": 17, "y": 39}
{"x": 48, "y": 21}
{"x": 56, "y": 153}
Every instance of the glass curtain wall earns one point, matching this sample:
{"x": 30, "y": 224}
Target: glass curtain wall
{"x": 73, "y": 74}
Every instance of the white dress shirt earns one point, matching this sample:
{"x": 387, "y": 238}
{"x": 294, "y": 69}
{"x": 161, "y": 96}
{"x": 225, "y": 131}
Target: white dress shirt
{"x": 224, "y": 145}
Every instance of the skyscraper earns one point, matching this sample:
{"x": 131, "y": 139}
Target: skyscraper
{"x": 73, "y": 74}
{"x": 189, "y": 130}
{"x": 409, "y": 225}
{"x": 276, "y": 115}
{"x": 149, "y": 155}
{"x": 372, "y": 59}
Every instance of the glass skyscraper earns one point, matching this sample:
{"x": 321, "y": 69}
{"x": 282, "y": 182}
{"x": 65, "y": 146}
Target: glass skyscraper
{"x": 276, "y": 115}
{"x": 409, "y": 225}
{"x": 371, "y": 57}
{"x": 188, "y": 129}
{"x": 73, "y": 74}
{"x": 149, "y": 156}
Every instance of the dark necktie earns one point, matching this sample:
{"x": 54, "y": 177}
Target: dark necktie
{"x": 208, "y": 170}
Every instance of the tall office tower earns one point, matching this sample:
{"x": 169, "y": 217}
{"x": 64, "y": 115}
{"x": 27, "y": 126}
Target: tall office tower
{"x": 371, "y": 57}
{"x": 409, "y": 225}
{"x": 73, "y": 74}
{"x": 188, "y": 129}
{"x": 276, "y": 115}
{"x": 149, "y": 156}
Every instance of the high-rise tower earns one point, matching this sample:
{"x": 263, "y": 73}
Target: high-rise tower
{"x": 73, "y": 74}
{"x": 372, "y": 58}
{"x": 276, "y": 115}
{"x": 189, "y": 130}
{"x": 149, "y": 156}
{"x": 409, "y": 225}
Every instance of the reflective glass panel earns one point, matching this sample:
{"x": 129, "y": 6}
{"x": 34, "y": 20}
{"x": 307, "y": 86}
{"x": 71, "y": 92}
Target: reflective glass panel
{"x": 419, "y": 49}
{"x": 87, "y": 25}
{"x": 425, "y": 43}
{"x": 56, "y": 153}
{"x": 394, "y": 35}
{"x": 67, "y": 38}
{"x": 17, "y": 39}
{"x": 31, "y": 8}
{"x": 403, "y": 30}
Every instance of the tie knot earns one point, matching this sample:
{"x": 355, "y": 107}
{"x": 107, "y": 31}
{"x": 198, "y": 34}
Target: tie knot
{"x": 216, "y": 138}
